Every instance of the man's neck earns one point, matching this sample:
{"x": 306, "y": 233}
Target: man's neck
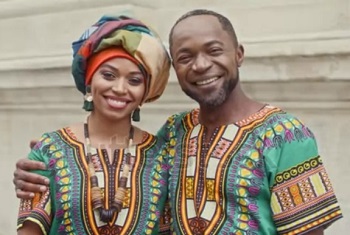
{"x": 237, "y": 107}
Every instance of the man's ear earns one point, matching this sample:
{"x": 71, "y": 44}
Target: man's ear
{"x": 239, "y": 55}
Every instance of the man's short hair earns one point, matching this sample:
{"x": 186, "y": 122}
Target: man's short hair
{"x": 225, "y": 23}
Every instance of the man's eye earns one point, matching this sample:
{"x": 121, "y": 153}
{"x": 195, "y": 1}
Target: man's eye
{"x": 184, "y": 59}
{"x": 215, "y": 51}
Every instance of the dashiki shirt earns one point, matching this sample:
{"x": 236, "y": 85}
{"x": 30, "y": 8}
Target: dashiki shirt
{"x": 262, "y": 175}
{"x": 66, "y": 207}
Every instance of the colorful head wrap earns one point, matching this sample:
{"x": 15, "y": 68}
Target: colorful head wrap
{"x": 97, "y": 59}
{"x": 137, "y": 39}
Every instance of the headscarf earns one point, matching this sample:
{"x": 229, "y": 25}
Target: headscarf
{"x": 97, "y": 59}
{"x": 137, "y": 39}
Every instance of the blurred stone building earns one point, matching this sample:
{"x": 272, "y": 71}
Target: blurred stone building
{"x": 297, "y": 57}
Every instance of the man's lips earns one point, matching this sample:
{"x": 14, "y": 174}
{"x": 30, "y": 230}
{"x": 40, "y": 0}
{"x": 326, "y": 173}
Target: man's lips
{"x": 206, "y": 81}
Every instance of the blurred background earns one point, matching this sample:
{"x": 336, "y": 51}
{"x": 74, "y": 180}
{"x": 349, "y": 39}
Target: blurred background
{"x": 297, "y": 57}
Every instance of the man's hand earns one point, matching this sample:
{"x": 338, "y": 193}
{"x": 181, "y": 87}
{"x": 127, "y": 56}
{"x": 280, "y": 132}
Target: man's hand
{"x": 28, "y": 183}
{"x": 33, "y": 143}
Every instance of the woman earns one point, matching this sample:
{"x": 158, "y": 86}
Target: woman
{"x": 106, "y": 176}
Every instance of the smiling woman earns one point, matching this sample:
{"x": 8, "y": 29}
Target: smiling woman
{"x": 117, "y": 83}
{"x": 106, "y": 175}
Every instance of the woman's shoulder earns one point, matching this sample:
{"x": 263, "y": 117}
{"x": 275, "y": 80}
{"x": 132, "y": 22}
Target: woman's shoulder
{"x": 54, "y": 137}
{"x": 150, "y": 141}
{"x": 143, "y": 136}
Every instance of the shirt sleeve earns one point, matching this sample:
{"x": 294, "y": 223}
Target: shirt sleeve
{"x": 167, "y": 135}
{"x": 302, "y": 197}
{"x": 38, "y": 209}
{"x": 164, "y": 134}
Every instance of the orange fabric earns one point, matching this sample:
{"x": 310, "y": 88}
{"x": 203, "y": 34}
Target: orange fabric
{"x": 99, "y": 58}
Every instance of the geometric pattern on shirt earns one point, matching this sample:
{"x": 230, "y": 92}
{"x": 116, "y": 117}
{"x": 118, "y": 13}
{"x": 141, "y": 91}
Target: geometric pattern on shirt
{"x": 278, "y": 129}
{"x": 204, "y": 217}
{"x": 70, "y": 193}
{"x": 226, "y": 142}
{"x": 302, "y": 198}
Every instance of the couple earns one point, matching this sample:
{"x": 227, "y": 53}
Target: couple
{"x": 232, "y": 166}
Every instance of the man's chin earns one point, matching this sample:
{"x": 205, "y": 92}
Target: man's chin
{"x": 209, "y": 102}
{"x": 212, "y": 103}
{"x": 204, "y": 100}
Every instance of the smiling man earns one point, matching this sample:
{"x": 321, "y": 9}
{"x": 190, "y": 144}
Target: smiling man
{"x": 238, "y": 166}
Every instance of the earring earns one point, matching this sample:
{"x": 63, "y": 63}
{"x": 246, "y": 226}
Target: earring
{"x": 88, "y": 104}
{"x": 136, "y": 115}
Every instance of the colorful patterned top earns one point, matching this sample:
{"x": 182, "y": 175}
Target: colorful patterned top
{"x": 262, "y": 175}
{"x": 66, "y": 207}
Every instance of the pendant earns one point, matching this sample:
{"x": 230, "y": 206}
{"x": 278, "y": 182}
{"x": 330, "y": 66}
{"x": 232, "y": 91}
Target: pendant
{"x": 106, "y": 215}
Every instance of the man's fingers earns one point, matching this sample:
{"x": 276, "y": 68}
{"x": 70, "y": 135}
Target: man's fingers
{"x": 29, "y": 187}
{"x": 28, "y": 183}
{"x": 24, "y": 195}
{"x": 28, "y": 177}
{"x": 33, "y": 143}
{"x": 28, "y": 165}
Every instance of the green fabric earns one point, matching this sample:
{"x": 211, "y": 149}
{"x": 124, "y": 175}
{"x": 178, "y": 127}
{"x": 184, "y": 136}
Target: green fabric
{"x": 66, "y": 208}
{"x": 262, "y": 175}
{"x": 128, "y": 40}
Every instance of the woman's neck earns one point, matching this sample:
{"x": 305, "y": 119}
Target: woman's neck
{"x": 107, "y": 133}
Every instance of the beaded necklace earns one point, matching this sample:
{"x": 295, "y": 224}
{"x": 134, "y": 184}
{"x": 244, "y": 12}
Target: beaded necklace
{"x": 106, "y": 215}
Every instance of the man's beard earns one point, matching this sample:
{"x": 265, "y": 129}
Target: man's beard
{"x": 217, "y": 97}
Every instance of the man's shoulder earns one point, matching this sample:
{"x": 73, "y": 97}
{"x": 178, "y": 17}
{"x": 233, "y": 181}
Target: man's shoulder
{"x": 178, "y": 117}
{"x": 278, "y": 115}
{"x": 279, "y": 127}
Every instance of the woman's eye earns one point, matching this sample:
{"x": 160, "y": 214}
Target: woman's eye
{"x": 108, "y": 75}
{"x": 135, "y": 81}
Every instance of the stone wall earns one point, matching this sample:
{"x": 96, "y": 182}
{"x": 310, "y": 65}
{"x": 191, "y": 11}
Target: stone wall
{"x": 297, "y": 57}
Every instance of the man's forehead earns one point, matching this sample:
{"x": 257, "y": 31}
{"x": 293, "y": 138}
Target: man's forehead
{"x": 197, "y": 22}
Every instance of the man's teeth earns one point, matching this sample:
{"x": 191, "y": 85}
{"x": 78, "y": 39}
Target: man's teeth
{"x": 210, "y": 80}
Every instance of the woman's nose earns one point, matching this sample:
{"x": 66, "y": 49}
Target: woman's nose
{"x": 119, "y": 86}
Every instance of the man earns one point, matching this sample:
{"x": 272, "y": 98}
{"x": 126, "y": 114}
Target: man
{"x": 237, "y": 166}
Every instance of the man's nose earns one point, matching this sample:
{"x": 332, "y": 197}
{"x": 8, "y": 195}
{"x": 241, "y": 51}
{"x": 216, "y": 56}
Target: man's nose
{"x": 201, "y": 63}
